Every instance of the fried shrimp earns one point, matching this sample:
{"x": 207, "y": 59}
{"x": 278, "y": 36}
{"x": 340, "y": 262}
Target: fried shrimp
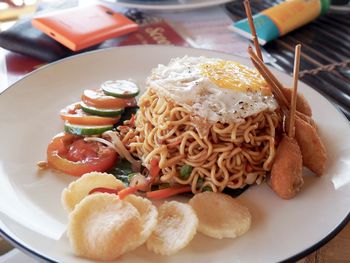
{"x": 286, "y": 174}
{"x": 302, "y": 106}
{"x": 312, "y": 148}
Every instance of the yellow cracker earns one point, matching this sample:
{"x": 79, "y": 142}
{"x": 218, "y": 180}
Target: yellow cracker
{"x": 103, "y": 227}
{"x": 80, "y": 188}
{"x": 177, "y": 225}
{"x": 220, "y": 215}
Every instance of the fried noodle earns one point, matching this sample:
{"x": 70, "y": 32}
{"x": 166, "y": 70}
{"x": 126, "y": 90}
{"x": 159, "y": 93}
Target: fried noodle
{"x": 226, "y": 155}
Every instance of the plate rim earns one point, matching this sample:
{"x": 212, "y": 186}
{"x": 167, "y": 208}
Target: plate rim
{"x": 170, "y": 7}
{"x": 10, "y": 236}
{"x": 291, "y": 259}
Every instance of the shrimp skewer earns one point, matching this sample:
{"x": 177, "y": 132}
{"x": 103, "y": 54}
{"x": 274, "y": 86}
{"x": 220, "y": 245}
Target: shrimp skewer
{"x": 302, "y": 106}
{"x": 312, "y": 148}
{"x": 286, "y": 173}
{"x": 255, "y": 39}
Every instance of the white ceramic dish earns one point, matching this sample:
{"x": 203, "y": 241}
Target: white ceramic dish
{"x": 169, "y": 5}
{"x": 32, "y": 217}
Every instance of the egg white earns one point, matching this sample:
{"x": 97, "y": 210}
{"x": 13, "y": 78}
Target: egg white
{"x": 183, "y": 81}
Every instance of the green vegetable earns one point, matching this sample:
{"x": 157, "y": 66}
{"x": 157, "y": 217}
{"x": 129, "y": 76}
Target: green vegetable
{"x": 85, "y": 129}
{"x": 185, "y": 171}
{"x": 120, "y": 88}
{"x": 101, "y": 112}
{"x": 128, "y": 112}
{"x": 130, "y": 176}
{"x": 200, "y": 182}
{"x": 122, "y": 171}
{"x": 207, "y": 188}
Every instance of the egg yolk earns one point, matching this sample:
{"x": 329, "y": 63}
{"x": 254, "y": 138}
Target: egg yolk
{"x": 235, "y": 76}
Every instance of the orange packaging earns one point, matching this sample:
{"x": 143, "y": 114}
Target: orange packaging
{"x": 81, "y": 27}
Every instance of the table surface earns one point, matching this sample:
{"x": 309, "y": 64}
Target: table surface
{"x": 336, "y": 250}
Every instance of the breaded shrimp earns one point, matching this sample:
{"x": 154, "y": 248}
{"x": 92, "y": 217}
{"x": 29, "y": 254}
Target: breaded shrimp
{"x": 302, "y": 106}
{"x": 286, "y": 173}
{"x": 306, "y": 118}
{"x": 312, "y": 148}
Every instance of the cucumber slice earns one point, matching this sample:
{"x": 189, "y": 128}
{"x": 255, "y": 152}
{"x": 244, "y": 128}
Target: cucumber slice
{"x": 86, "y": 130}
{"x": 120, "y": 88}
{"x": 101, "y": 112}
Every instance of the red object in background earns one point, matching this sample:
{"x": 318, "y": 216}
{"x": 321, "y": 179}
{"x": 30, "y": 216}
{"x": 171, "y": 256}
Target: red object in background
{"x": 160, "y": 33}
{"x": 152, "y": 34}
{"x": 82, "y": 27}
{"x": 20, "y": 65}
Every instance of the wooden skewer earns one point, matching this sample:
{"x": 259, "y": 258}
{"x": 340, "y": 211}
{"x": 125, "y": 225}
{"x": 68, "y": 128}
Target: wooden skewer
{"x": 255, "y": 39}
{"x": 275, "y": 85}
{"x": 291, "y": 130}
{"x": 272, "y": 81}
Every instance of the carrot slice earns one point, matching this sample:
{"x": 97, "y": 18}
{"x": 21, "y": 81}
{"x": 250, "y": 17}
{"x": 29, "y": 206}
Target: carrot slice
{"x": 127, "y": 191}
{"x": 131, "y": 190}
{"x": 154, "y": 170}
{"x": 167, "y": 192}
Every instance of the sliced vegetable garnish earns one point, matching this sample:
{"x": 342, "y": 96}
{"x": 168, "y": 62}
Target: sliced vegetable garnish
{"x": 86, "y": 130}
{"x": 185, "y": 171}
{"x": 101, "y": 111}
{"x": 127, "y": 191}
{"x": 120, "y": 88}
{"x": 154, "y": 170}
{"x": 167, "y": 192}
{"x": 75, "y": 115}
{"x": 207, "y": 188}
{"x": 72, "y": 155}
{"x": 97, "y": 98}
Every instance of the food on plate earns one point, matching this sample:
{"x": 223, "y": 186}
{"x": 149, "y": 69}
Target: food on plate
{"x": 286, "y": 174}
{"x": 77, "y": 113}
{"x": 73, "y": 155}
{"x": 148, "y": 213}
{"x": 120, "y": 88}
{"x": 103, "y": 227}
{"x": 312, "y": 148}
{"x": 99, "y": 99}
{"x": 220, "y": 215}
{"x": 203, "y": 125}
{"x": 307, "y": 146}
{"x": 177, "y": 225}
{"x": 210, "y": 123}
{"x": 79, "y": 189}
{"x": 97, "y": 113}
{"x": 302, "y": 106}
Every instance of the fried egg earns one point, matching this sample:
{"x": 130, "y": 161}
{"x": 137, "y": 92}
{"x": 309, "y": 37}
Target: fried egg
{"x": 214, "y": 89}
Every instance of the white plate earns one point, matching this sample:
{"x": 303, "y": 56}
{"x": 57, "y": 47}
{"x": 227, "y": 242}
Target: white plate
{"x": 169, "y": 5}
{"x": 32, "y": 217}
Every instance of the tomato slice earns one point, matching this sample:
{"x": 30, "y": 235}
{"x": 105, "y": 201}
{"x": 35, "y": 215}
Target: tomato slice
{"x": 75, "y": 115}
{"x": 97, "y": 98}
{"x": 72, "y": 155}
